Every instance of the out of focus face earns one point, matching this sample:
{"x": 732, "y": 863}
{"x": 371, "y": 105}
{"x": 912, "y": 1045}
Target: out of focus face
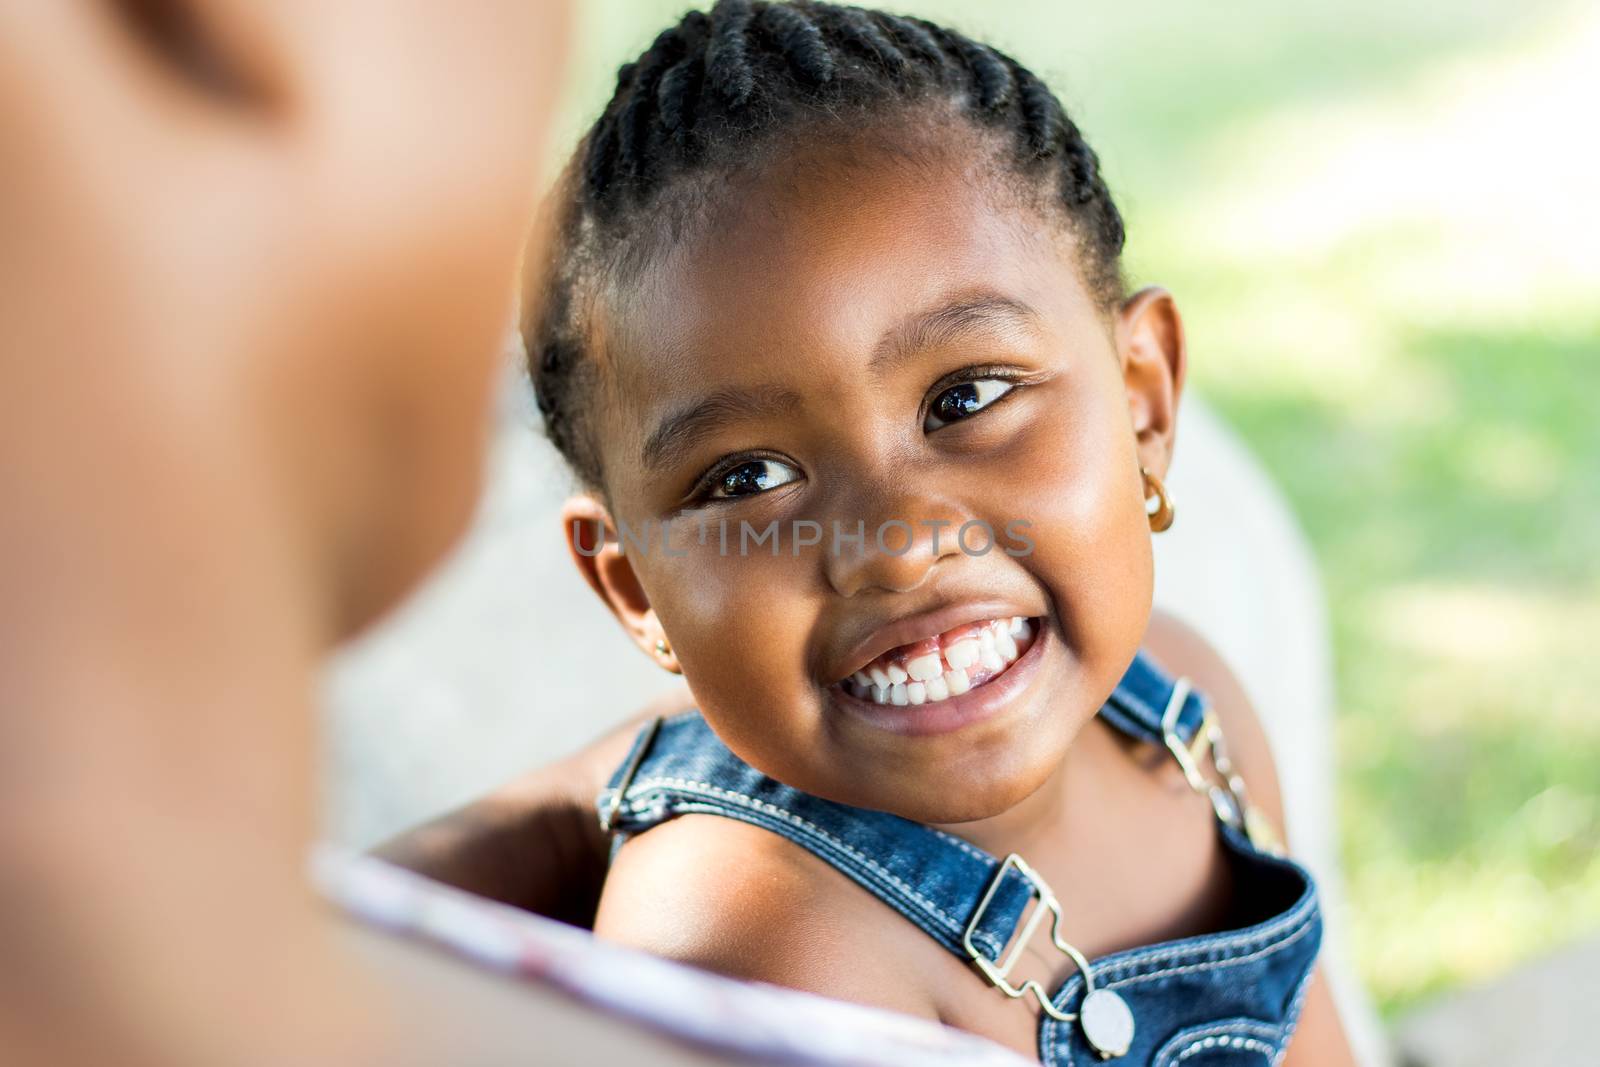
{"x": 410, "y": 209}
{"x": 335, "y": 196}
{"x": 256, "y": 265}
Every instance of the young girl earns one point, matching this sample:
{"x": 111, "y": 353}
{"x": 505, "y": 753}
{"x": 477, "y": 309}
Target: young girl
{"x": 870, "y": 440}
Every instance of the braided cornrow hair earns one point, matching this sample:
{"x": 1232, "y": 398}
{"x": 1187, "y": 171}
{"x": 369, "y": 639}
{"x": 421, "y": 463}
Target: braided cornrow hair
{"x": 719, "y": 87}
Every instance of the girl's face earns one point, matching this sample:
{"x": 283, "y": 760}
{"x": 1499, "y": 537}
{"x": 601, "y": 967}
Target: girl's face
{"x": 862, "y": 345}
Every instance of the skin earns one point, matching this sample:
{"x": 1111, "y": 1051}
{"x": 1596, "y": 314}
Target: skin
{"x": 802, "y": 299}
{"x": 253, "y": 297}
{"x": 762, "y": 638}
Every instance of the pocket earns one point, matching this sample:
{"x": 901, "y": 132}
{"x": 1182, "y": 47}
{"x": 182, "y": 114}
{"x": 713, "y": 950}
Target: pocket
{"x": 1237, "y": 1042}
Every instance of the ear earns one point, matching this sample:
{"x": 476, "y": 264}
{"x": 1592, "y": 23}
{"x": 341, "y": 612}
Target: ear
{"x": 1149, "y": 338}
{"x": 592, "y": 541}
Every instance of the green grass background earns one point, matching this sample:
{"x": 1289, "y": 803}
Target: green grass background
{"x": 1382, "y": 220}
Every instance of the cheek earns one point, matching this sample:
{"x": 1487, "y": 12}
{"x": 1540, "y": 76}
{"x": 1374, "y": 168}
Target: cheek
{"x": 740, "y": 627}
{"x": 1092, "y": 539}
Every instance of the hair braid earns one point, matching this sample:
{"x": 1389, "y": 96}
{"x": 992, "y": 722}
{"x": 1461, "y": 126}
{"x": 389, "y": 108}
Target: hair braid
{"x": 915, "y": 35}
{"x": 856, "y": 29}
{"x": 799, "y": 41}
{"x": 719, "y": 87}
{"x": 728, "y": 54}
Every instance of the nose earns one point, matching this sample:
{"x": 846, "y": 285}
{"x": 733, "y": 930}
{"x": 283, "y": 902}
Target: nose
{"x": 891, "y": 545}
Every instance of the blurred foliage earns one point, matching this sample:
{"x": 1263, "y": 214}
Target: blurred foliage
{"x": 1381, "y": 220}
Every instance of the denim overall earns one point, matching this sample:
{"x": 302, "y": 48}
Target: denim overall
{"x": 1217, "y": 1000}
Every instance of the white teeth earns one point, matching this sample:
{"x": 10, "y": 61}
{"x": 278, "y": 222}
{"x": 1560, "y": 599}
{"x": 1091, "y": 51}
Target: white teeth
{"x": 962, "y": 654}
{"x": 992, "y": 647}
{"x": 924, "y": 667}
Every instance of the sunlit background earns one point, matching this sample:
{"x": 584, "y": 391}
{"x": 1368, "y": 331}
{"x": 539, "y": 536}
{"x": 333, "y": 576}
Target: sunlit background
{"x": 1381, "y": 221}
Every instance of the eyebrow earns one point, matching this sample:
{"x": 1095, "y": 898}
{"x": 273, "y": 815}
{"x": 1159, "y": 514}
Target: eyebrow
{"x": 686, "y": 427}
{"x": 941, "y": 325}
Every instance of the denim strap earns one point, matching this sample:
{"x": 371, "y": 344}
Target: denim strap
{"x": 1137, "y": 704}
{"x": 934, "y": 879}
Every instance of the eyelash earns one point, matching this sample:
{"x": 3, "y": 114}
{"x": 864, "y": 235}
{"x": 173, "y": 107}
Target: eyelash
{"x": 700, "y": 494}
{"x": 1010, "y": 375}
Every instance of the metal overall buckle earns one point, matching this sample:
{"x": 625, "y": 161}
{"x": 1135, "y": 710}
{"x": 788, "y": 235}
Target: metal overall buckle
{"x": 1230, "y": 799}
{"x": 1104, "y": 1016}
{"x": 608, "y": 814}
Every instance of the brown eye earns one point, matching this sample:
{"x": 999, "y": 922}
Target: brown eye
{"x": 752, "y": 477}
{"x": 963, "y": 401}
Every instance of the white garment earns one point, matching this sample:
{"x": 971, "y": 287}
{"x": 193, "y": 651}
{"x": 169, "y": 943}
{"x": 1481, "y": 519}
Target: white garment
{"x": 760, "y": 1023}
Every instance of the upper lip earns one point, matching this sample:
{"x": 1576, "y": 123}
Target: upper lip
{"x": 925, "y": 624}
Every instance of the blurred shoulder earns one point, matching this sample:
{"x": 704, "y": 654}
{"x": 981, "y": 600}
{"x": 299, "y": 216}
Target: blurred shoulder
{"x": 742, "y": 901}
{"x": 1182, "y": 650}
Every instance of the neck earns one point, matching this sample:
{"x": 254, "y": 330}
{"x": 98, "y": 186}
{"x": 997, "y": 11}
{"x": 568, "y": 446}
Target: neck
{"x": 1020, "y": 827}
{"x": 1036, "y": 826}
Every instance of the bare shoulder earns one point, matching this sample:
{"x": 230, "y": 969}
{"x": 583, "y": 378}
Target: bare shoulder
{"x": 739, "y": 900}
{"x": 1181, "y": 649}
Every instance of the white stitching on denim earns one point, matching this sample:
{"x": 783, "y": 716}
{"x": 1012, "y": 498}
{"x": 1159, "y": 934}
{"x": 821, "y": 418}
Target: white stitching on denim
{"x": 706, "y": 788}
{"x": 969, "y": 849}
{"x": 1051, "y": 1025}
{"x": 1242, "y": 1025}
{"x": 1300, "y": 913}
{"x": 1054, "y": 1026}
{"x": 1227, "y": 1041}
{"x": 1209, "y": 965}
{"x": 690, "y": 786}
{"x": 1294, "y": 1015}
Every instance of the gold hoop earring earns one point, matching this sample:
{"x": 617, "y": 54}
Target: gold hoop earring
{"x": 1161, "y": 517}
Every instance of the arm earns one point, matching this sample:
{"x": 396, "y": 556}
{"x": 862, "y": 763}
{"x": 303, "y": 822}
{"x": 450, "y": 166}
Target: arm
{"x": 1319, "y": 1039}
{"x": 536, "y": 842}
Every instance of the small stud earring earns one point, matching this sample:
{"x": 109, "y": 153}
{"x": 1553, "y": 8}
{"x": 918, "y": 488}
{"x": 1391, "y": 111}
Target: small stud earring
{"x": 1161, "y": 517}
{"x": 661, "y": 647}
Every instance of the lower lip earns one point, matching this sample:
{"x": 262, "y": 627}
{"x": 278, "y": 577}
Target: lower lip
{"x": 952, "y": 713}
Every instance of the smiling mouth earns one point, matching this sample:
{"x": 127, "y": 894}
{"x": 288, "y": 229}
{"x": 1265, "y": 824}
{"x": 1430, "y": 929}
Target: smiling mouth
{"x": 946, "y": 665}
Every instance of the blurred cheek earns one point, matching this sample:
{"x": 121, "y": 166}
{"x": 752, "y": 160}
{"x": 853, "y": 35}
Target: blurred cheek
{"x": 426, "y": 192}
{"x": 428, "y": 308}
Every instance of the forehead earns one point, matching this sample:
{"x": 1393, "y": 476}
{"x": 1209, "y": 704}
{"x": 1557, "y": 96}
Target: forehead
{"x": 810, "y": 264}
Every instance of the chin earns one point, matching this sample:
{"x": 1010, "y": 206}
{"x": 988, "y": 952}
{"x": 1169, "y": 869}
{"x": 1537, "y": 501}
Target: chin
{"x": 388, "y": 568}
{"x": 972, "y": 786}
{"x": 971, "y": 801}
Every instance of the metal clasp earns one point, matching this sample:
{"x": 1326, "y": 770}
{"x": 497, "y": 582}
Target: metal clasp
{"x": 1231, "y": 799}
{"x": 608, "y": 815}
{"x": 1000, "y": 973}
